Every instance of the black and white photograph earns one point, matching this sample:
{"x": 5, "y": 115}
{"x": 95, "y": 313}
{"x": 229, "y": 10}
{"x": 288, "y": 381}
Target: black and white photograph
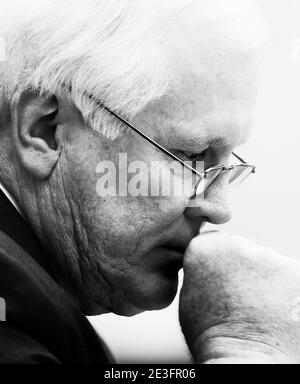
{"x": 149, "y": 185}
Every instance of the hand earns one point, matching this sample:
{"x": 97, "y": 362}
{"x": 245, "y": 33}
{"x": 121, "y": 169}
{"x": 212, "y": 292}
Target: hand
{"x": 236, "y": 305}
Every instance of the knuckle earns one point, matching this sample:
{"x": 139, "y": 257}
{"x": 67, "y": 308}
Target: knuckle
{"x": 199, "y": 245}
{"x": 207, "y": 240}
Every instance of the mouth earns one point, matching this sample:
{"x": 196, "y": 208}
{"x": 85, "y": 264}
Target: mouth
{"x": 175, "y": 255}
{"x": 176, "y": 251}
{"x": 178, "y": 247}
{"x": 180, "y": 241}
{"x": 164, "y": 259}
{"x": 170, "y": 254}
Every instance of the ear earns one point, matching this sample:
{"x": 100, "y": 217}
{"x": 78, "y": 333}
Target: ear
{"x": 34, "y": 131}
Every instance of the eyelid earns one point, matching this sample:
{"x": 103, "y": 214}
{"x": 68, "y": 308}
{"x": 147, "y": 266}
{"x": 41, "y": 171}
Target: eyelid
{"x": 186, "y": 155}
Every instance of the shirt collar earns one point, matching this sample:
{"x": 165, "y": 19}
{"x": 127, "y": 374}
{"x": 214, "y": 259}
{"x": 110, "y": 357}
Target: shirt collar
{"x": 11, "y": 199}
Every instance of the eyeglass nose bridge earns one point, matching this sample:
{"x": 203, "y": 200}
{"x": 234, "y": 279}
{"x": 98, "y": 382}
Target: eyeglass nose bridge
{"x": 220, "y": 170}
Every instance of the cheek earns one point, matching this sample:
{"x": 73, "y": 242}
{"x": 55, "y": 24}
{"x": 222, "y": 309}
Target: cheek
{"x": 126, "y": 229}
{"x": 138, "y": 217}
{"x": 118, "y": 224}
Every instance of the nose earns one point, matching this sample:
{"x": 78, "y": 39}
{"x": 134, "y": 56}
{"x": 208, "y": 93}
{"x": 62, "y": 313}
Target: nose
{"x": 212, "y": 207}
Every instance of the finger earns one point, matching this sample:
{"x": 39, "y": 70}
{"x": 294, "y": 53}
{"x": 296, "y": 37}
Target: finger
{"x": 206, "y": 248}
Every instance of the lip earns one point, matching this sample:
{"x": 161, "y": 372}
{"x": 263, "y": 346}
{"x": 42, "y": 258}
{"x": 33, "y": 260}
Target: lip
{"x": 180, "y": 241}
{"x": 176, "y": 256}
{"x": 176, "y": 249}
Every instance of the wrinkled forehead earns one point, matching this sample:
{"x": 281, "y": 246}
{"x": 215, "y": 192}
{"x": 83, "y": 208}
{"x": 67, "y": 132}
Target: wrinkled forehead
{"x": 216, "y": 102}
{"x": 214, "y": 65}
{"x": 214, "y": 105}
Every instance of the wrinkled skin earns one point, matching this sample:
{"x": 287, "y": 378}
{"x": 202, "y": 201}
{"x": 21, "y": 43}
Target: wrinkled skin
{"x": 123, "y": 254}
{"x": 240, "y": 302}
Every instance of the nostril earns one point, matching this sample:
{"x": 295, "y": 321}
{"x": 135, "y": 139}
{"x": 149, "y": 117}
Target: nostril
{"x": 214, "y": 208}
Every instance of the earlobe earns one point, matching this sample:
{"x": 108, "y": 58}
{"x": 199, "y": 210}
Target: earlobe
{"x": 34, "y": 131}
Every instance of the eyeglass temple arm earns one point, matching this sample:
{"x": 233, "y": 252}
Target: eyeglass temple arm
{"x": 157, "y": 145}
{"x": 239, "y": 158}
{"x": 243, "y": 162}
{"x": 148, "y": 138}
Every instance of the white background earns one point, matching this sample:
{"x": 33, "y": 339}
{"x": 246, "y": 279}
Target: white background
{"x": 266, "y": 209}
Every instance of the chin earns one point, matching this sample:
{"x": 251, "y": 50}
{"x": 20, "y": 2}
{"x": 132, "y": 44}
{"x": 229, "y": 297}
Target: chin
{"x": 155, "y": 286}
{"x": 152, "y": 286}
{"x": 155, "y": 293}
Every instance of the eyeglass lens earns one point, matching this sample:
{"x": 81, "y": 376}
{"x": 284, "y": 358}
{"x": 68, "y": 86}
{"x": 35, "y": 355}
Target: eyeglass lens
{"x": 236, "y": 176}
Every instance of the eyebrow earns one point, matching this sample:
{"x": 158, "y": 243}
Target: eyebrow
{"x": 216, "y": 141}
{"x": 156, "y": 144}
{"x": 195, "y": 144}
{"x": 145, "y": 136}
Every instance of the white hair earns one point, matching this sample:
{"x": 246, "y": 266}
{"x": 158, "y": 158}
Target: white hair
{"x": 108, "y": 49}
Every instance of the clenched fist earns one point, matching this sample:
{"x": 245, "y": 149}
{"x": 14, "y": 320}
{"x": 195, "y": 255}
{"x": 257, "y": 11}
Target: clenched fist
{"x": 236, "y": 304}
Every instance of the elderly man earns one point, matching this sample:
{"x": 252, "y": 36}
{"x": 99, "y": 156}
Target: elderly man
{"x": 83, "y": 83}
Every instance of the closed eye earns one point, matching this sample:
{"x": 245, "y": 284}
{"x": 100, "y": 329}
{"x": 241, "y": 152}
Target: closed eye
{"x": 190, "y": 156}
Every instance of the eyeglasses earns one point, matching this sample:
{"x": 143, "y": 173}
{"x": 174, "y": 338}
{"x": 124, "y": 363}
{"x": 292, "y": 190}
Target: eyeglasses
{"x": 237, "y": 173}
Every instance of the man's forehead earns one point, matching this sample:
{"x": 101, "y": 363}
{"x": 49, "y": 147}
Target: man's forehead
{"x": 204, "y": 112}
{"x": 220, "y": 130}
{"x": 212, "y": 26}
{"x": 214, "y": 86}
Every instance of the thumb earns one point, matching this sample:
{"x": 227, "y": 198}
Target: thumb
{"x": 204, "y": 285}
{"x": 205, "y": 251}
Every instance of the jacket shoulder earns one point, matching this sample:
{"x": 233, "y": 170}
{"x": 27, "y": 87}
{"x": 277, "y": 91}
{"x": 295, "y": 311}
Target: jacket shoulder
{"x": 40, "y": 311}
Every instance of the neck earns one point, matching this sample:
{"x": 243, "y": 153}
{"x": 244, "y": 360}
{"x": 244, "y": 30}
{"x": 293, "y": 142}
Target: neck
{"x": 15, "y": 226}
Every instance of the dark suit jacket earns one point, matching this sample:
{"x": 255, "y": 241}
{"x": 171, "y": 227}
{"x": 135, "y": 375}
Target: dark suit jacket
{"x": 43, "y": 324}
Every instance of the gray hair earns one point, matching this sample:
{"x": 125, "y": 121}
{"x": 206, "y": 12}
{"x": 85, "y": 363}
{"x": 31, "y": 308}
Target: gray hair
{"x": 109, "y": 49}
